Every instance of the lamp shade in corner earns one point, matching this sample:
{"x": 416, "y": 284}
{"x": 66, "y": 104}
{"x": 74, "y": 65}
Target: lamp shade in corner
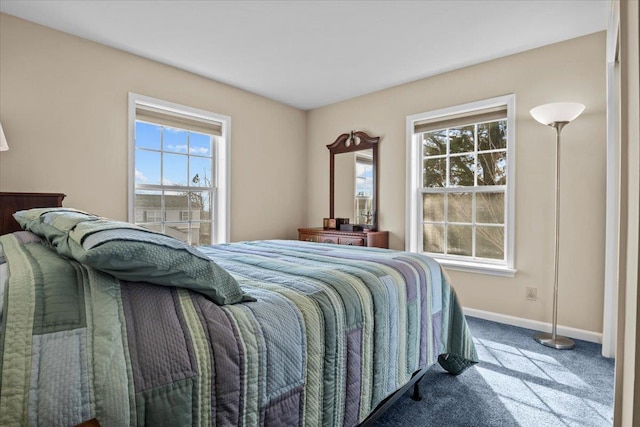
{"x": 557, "y": 112}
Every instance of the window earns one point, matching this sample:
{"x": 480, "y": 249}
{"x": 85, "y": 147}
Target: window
{"x": 150, "y": 215}
{"x": 461, "y": 185}
{"x": 178, "y": 170}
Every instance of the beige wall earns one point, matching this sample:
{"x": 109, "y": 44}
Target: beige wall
{"x": 63, "y": 106}
{"x": 568, "y": 71}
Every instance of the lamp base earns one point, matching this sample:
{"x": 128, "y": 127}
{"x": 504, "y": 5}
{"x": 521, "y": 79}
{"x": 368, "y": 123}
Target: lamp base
{"x": 560, "y": 343}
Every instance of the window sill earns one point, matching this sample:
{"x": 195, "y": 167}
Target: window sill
{"x": 474, "y": 267}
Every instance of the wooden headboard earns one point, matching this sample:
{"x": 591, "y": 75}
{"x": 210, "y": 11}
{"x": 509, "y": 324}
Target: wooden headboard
{"x": 13, "y": 202}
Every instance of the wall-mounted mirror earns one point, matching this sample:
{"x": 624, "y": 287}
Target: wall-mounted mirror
{"x": 353, "y": 179}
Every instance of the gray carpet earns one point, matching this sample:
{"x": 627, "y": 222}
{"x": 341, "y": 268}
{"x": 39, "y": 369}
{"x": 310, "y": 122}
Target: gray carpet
{"x": 518, "y": 382}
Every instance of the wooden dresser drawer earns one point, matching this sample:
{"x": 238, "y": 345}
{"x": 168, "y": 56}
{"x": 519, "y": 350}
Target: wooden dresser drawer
{"x": 327, "y": 238}
{"x": 377, "y": 239}
{"x": 351, "y": 241}
{"x": 308, "y": 237}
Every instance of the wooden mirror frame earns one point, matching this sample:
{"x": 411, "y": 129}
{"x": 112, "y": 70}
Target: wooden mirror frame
{"x": 348, "y": 143}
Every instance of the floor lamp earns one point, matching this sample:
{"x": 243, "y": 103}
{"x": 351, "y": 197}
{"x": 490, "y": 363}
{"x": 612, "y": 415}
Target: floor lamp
{"x": 557, "y": 115}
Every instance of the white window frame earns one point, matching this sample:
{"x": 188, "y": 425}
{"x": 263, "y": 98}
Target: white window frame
{"x": 413, "y": 241}
{"x": 221, "y": 196}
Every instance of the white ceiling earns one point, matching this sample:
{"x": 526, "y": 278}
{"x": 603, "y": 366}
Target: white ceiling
{"x": 313, "y": 53}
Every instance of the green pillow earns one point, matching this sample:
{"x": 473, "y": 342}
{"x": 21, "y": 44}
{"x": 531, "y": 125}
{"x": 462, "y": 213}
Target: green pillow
{"x": 40, "y": 221}
{"x": 132, "y": 253}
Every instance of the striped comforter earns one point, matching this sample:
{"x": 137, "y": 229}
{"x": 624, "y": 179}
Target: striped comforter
{"x": 334, "y": 331}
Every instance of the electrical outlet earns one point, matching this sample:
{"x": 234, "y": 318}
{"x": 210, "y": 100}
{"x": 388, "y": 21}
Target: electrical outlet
{"x": 532, "y": 294}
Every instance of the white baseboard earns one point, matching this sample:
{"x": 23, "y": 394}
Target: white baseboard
{"x": 579, "y": 334}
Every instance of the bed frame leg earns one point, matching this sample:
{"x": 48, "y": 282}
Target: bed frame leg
{"x": 416, "y": 391}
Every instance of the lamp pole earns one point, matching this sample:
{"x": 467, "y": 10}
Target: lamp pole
{"x": 557, "y": 115}
{"x": 553, "y": 340}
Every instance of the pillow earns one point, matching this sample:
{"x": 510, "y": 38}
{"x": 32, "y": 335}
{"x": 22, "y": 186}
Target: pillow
{"x": 132, "y": 253}
{"x": 40, "y": 221}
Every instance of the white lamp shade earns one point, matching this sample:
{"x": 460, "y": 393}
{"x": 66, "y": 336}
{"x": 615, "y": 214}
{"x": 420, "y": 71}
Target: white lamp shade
{"x": 548, "y": 114}
{"x": 3, "y": 140}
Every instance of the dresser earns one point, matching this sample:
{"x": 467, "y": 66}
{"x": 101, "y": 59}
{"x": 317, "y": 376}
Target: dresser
{"x": 378, "y": 239}
{"x": 13, "y": 202}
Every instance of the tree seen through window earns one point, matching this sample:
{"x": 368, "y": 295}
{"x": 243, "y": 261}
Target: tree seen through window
{"x": 464, "y": 182}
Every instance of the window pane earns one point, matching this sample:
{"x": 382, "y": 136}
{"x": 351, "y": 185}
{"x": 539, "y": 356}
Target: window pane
{"x": 490, "y": 242}
{"x": 435, "y": 143}
{"x": 433, "y": 207}
{"x": 492, "y": 168}
{"x": 175, "y": 173}
{"x": 462, "y": 170}
{"x": 201, "y": 233}
{"x": 174, "y": 170}
{"x": 147, "y": 203}
{"x": 433, "y": 238}
{"x": 200, "y": 144}
{"x": 492, "y": 136}
{"x": 207, "y": 207}
{"x": 174, "y": 140}
{"x": 461, "y": 140}
{"x": 148, "y": 135}
{"x": 147, "y": 169}
{"x": 490, "y": 208}
{"x": 435, "y": 171}
{"x": 179, "y": 231}
{"x": 200, "y": 172}
{"x": 200, "y": 205}
{"x": 459, "y": 240}
{"x": 464, "y": 179}
{"x": 174, "y": 203}
{"x": 460, "y": 205}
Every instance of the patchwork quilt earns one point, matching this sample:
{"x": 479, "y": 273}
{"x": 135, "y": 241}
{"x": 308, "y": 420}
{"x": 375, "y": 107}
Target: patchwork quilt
{"x": 334, "y": 330}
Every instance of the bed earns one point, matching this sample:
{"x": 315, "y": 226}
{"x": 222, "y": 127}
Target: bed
{"x": 318, "y": 334}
